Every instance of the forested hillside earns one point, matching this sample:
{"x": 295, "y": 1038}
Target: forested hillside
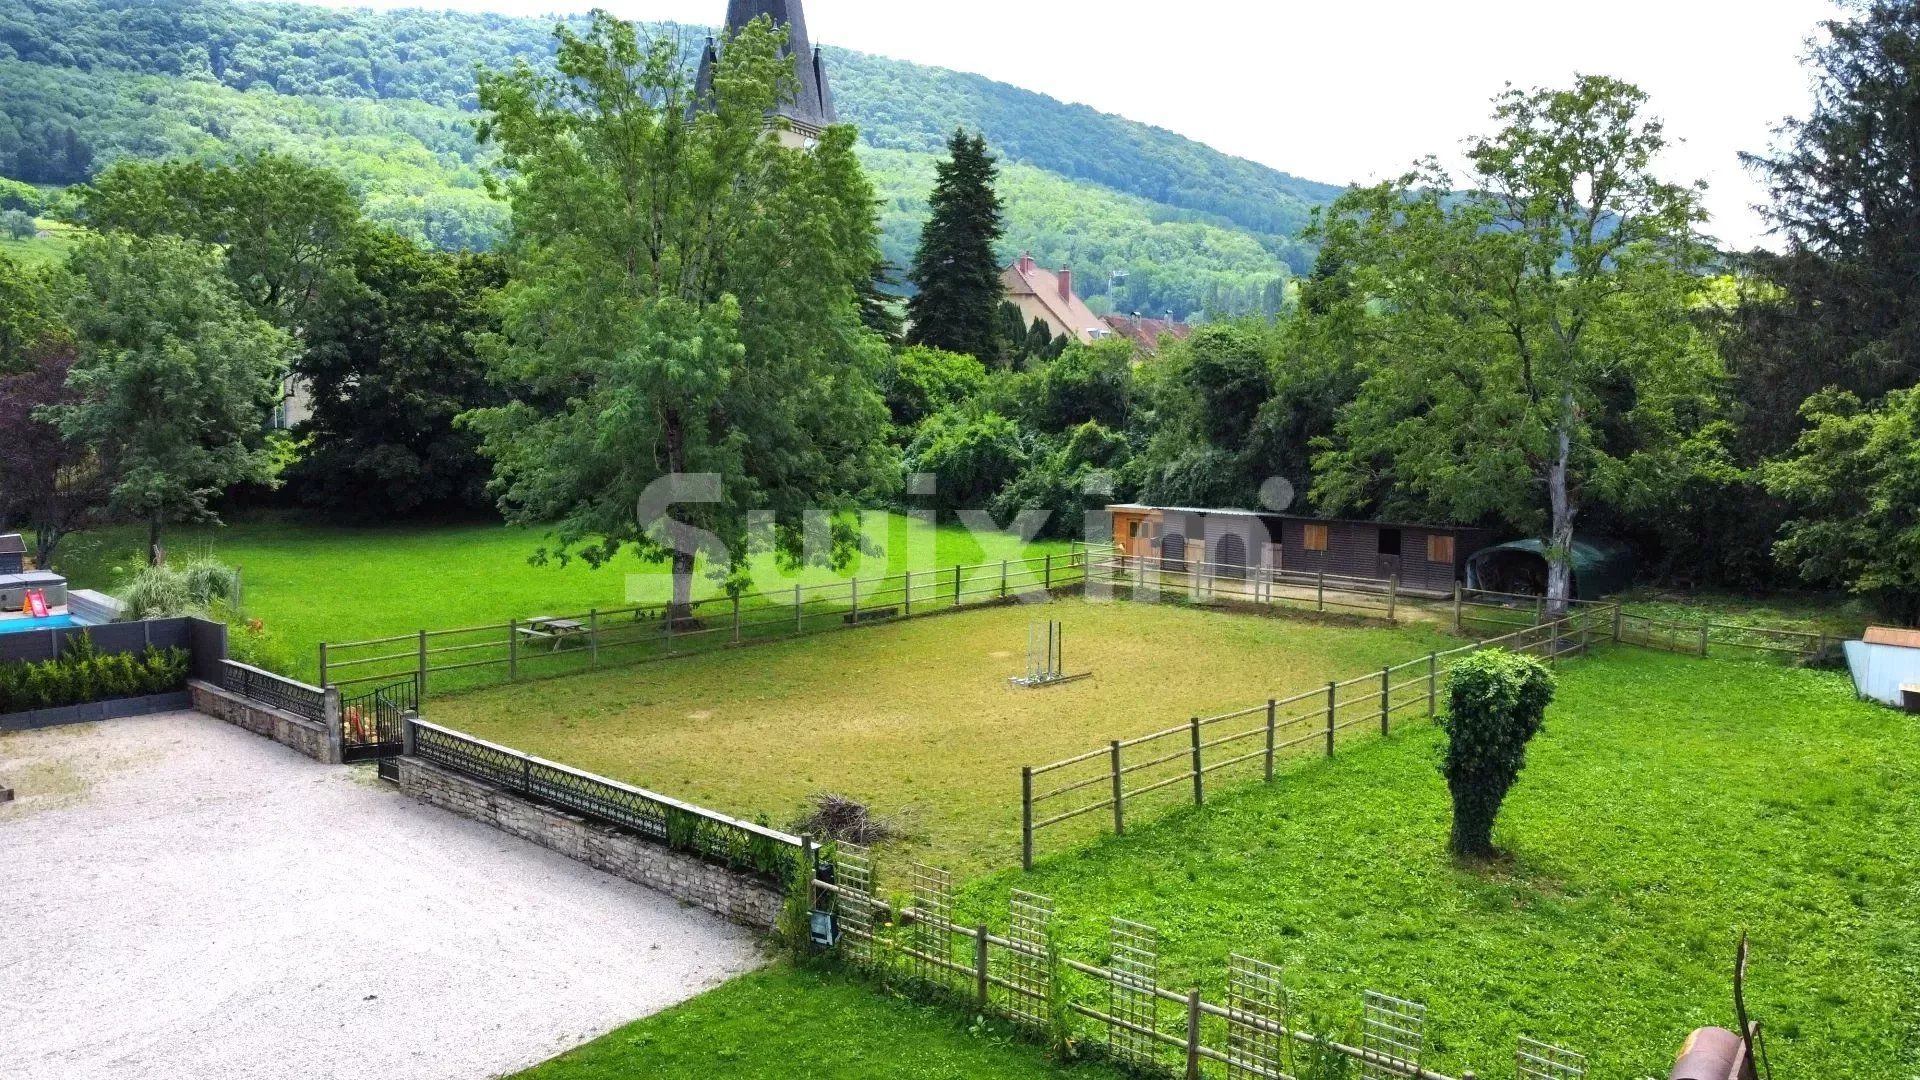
{"x": 386, "y": 97}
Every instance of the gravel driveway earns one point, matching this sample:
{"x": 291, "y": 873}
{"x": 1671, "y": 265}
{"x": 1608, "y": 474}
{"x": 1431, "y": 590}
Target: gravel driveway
{"x": 179, "y": 898}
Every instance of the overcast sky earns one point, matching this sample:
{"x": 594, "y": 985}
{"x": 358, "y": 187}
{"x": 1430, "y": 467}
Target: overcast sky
{"x": 1342, "y": 90}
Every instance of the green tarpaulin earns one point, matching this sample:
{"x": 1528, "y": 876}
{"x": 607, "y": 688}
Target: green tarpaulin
{"x": 1600, "y": 568}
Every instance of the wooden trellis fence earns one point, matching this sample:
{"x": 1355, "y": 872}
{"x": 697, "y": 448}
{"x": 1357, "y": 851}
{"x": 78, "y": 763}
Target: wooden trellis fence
{"x": 1024, "y": 978}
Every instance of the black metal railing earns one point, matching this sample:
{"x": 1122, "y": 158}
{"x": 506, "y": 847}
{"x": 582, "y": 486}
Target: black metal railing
{"x": 370, "y": 722}
{"x": 277, "y": 691}
{"x": 680, "y": 826}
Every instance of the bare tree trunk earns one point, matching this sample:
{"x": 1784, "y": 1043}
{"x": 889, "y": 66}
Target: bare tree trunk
{"x": 155, "y": 556}
{"x": 1560, "y": 539}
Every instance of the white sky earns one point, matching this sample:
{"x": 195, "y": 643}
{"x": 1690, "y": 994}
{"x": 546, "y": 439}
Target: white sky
{"x": 1339, "y": 91}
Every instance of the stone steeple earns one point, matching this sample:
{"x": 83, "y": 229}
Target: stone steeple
{"x": 811, "y": 110}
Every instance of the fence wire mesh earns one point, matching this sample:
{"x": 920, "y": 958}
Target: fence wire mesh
{"x": 1544, "y": 1061}
{"x": 853, "y": 873}
{"x": 1391, "y": 1028}
{"x": 1132, "y": 993}
{"x": 1256, "y": 1016}
{"x": 1024, "y": 968}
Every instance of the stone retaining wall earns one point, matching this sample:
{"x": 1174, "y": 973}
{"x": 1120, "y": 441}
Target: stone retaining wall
{"x": 736, "y": 897}
{"x": 309, "y": 737}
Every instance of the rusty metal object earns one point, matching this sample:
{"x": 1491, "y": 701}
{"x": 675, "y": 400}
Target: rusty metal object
{"x": 1892, "y": 635}
{"x": 1712, "y": 1053}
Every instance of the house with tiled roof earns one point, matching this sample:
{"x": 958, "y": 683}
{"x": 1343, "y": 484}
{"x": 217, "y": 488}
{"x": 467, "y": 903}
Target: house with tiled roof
{"x": 1049, "y": 297}
{"x": 1146, "y": 334}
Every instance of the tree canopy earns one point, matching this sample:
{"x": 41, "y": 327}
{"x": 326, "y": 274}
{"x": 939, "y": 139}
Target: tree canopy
{"x": 956, "y": 270}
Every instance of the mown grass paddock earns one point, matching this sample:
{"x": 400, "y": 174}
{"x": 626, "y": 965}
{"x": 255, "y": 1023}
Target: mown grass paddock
{"x": 916, "y": 718}
{"x": 1670, "y": 803}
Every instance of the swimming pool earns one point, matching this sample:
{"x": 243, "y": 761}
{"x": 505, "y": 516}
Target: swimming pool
{"x": 51, "y": 622}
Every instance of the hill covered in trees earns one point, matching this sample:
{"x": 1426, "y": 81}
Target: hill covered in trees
{"x": 1164, "y": 222}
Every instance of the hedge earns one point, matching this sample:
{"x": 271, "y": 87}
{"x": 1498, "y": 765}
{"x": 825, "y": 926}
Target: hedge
{"x": 82, "y": 675}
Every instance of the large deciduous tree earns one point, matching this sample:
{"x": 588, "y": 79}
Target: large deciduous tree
{"x": 1527, "y": 339}
{"x": 49, "y": 483}
{"x": 956, "y": 269}
{"x": 687, "y": 290}
{"x": 1854, "y": 477}
{"x": 30, "y": 313}
{"x": 391, "y": 360}
{"x": 175, "y": 377}
{"x": 281, "y": 222}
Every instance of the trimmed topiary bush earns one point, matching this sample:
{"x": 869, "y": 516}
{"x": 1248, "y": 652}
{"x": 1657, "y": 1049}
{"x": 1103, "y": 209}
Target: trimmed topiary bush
{"x": 1496, "y": 702}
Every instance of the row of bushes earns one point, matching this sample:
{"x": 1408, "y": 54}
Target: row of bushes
{"x": 82, "y": 675}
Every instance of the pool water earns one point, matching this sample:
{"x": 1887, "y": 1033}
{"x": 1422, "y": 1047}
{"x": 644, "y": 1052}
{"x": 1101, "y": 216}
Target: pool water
{"x": 51, "y": 622}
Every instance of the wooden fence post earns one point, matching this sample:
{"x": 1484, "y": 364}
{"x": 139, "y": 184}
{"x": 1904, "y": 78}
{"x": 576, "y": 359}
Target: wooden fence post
{"x": 1003, "y": 579}
{"x": 1026, "y": 817}
{"x": 1618, "y": 609}
{"x": 1433, "y": 684}
{"x": 1539, "y": 609}
{"x": 854, "y": 584}
{"x": 1270, "y": 731}
{"x": 1199, "y": 788}
{"x": 956, "y": 585}
{"x": 1119, "y": 792}
{"x": 1386, "y": 699}
{"x": 323, "y": 664}
{"x": 1193, "y": 1035}
{"x": 906, "y": 592}
{"x": 980, "y": 966}
{"x": 1705, "y": 625}
{"x": 513, "y": 649}
{"x": 1393, "y": 596}
{"x": 593, "y": 636}
{"x": 799, "y": 618}
{"x": 420, "y": 672}
{"x": 1320, "y": 592}
{"x": 1049, "y": 574}
{"x": 1456, "y": 607}
{"x": 1333, "y": 690}
{"x": 736, "y": 618}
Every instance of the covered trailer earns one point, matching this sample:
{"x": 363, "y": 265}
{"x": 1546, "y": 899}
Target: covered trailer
{"x": 1600, "y": 568}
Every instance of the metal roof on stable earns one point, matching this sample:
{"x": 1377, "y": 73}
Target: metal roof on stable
{"x": 1283, "y": 515}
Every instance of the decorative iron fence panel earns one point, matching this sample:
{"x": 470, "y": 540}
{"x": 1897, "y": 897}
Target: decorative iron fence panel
{"x": 273, "y": 690}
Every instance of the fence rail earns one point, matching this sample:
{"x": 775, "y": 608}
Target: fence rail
{"x": 550, "y": 645}
{"x": 680, "y": 826}
{"x": 278, "y": 691}
{"x": 1184, "y": 759}
{"x": 1706, "y": 637}
{"x": 1021, "y": 977}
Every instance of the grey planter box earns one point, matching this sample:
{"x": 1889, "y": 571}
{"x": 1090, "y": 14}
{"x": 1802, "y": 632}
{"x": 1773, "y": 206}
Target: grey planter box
{"x": 93, "y": 711}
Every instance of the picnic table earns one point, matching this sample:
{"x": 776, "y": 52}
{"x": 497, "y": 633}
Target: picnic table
{"x": 555, "y": 632}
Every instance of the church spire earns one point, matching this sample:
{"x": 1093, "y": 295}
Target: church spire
{"x": 811, "y": 110}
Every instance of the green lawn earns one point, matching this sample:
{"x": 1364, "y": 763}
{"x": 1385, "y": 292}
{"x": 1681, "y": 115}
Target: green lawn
{"x": 1834, "y": 614}
{"x": 56, "y": 239}
{"x": 917, "y": 718}
{"x": 1670, "y": 803}
{"x": 781, "y": 1023}
{"x": 313, "y": 582}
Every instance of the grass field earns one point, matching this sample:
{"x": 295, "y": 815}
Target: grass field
{"x": 55, "y": 240}
{"x": 311, "y": 583}
{"x": 1670, "y": 803}
{"x": 916, "y": 718}
{"x": 781, "y": 1023}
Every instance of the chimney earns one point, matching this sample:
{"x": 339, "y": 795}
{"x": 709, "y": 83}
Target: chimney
{"x": 1066, "y": 283}
{"x": 1026, "y": 263}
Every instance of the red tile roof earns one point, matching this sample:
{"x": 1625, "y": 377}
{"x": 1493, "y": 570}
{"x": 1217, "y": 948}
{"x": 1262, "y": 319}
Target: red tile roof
{"x": 1027, "y": 278}
{"x": 1148, "y": 333}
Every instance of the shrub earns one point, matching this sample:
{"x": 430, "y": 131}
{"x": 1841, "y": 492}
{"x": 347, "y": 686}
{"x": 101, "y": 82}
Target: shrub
{"x": 1496, "y": 703}
{"x": 82, "y": 675}
{"x": 169, "y": 591}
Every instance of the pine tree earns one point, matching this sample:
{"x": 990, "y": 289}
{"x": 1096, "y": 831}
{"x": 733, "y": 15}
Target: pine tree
{"x": 956, "y": 271}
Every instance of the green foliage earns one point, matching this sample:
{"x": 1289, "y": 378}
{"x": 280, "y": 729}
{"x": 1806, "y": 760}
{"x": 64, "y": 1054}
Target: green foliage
{"x": 16, "y": 196}
{"x": 1496, "y": 703}
{"x": 678, "y": 347}
{"x": 81, "y": 675}
{"x": 971, "y": 459}
{"x": 18, "y": 224}
{"x": 924, "y": 381}
{"x": 391, "y": 358}
{"x": 794, "y": 928}
{"x": 956, "y": 272}
{"x": 1529, "y": 348}
{"x": 175, "y": 378}
{"x": 282, "y": 223}
{"x": 1853, "y": 480}
{"x": 30, "y": 313}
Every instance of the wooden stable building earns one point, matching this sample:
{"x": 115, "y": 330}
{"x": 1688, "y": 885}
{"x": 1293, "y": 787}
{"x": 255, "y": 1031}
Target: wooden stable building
{"x": 1428, "y": 558}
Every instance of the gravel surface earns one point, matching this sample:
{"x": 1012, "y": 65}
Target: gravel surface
{"x": 180, "y": 898}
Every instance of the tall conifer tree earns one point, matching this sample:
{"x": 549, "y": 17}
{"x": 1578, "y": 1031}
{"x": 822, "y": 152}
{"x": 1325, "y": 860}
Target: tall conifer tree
{"x": 956, "y": 271}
